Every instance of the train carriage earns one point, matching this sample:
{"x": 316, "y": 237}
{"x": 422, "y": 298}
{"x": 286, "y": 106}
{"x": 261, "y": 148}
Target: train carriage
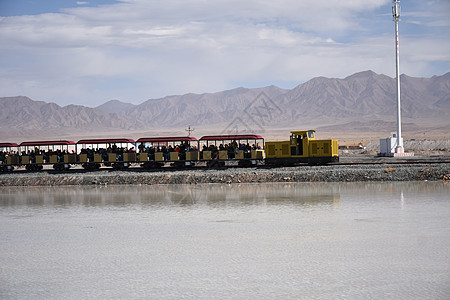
{"x": 118, "y": 153}
{"x": 246, "y": 149}
{"x": 36, "y": 154}
{"x": 154, "y": 152}
{"x": 8, "y": 156}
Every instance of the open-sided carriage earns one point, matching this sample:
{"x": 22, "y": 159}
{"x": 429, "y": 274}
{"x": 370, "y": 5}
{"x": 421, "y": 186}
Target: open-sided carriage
{"x": 118, "y": 153}
{"x": 34, "y": 155}
{"x": 245, "y": 149}
{"x": 155, "y": 152}
{"x": 8, "y": 153}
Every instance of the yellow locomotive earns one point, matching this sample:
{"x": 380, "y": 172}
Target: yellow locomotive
{"x": 302, "y": 147}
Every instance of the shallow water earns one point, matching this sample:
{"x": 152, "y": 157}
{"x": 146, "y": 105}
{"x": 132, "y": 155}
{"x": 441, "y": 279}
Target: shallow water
{"x": 250, "y": 241}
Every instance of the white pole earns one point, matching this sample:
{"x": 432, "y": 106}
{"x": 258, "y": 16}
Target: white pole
{"x": 396, "y": 15}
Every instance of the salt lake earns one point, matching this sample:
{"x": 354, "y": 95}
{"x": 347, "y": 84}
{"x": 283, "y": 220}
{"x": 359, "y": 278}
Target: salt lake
{"x": 248, "y": 241}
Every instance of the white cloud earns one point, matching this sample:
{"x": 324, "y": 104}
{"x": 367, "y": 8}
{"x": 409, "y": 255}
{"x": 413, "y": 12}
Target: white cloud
{"x": 137, "y": 49}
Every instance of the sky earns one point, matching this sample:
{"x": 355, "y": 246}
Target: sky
{"x": 90, "y": 52}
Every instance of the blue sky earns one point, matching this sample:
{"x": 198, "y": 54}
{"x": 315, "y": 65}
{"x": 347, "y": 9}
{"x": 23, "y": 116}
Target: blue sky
{"x": 89, "y": 52}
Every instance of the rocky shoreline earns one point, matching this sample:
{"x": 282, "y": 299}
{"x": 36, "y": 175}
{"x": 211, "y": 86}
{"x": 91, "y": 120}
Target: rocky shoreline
{"x": 330, "y": 173}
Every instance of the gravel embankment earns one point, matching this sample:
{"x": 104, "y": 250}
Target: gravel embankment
{"x": 331, "y": 173}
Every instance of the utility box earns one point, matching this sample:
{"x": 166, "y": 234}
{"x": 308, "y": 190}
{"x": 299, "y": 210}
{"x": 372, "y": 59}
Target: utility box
{"x": 388, "y": 145}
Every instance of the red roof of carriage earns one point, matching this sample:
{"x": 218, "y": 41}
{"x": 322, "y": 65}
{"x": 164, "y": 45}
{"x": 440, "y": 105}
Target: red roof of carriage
{"x": 105, "y": 141}
{"x": 47, "y": 143}
{"x": 8, "y": 145}
{"x": 231, "y": 137}
{"x": 167, "y": 139}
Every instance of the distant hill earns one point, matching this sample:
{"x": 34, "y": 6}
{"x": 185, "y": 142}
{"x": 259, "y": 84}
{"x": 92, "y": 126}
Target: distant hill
{"x": 22, "y": 117}
{"x": 362, "y": 101}
{"x": 115, "y": 106}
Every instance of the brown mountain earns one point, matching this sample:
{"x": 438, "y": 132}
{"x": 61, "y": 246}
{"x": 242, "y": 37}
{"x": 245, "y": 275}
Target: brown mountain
{"x": 23, "y": 117}
{"x": 115, "y": 106}
{"x": 371, "y": 95}
{"x": 363, "y": 100}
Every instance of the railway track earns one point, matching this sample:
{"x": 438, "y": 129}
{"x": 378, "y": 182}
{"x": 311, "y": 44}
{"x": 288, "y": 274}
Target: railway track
{"x": 346, "y": 162}
{"x": 409, "y": 162}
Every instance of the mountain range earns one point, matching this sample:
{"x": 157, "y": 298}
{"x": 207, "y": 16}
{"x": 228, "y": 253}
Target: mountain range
{"x": 362, "y": 103}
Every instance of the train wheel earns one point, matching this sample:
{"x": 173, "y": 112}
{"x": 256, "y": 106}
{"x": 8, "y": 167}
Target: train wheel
{"x": 34, "y": 167}
{"x": 91, "y": 166}
{"x": 182, "y": 164}
{"x": 244, "y": 163}
{"x": 120, "y": 166}
{"x": 215, "y": 164}
{"x": 61, "y": 167}
{"x": 151, "y": 165}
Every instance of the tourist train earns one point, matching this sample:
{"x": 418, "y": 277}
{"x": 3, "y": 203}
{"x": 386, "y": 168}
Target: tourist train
{"x": 242, "y": 150}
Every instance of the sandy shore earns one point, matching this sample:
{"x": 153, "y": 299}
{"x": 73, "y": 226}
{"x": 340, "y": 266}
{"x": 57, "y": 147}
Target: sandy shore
{"x": 331, "y": 173}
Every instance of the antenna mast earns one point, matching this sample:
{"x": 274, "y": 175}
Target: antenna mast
{"x": 396, "y": 19}
{"x": 189, "y": 130}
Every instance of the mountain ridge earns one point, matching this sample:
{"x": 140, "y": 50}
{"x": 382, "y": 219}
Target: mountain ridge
{"x": 361, "y": 97}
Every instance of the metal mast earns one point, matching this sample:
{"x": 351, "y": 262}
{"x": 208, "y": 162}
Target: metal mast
{"x": 396, "y": 16}
{"x": 189, "y": 130}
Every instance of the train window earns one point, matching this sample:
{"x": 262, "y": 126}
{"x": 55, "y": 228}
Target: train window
{"x": 310, "y": 134}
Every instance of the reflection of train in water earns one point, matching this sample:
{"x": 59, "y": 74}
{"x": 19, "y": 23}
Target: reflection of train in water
{"x": 156, "y": 152}
{"x": 278, "y": 194}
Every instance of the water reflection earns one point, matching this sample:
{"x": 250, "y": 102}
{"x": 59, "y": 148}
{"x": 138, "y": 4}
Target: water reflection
{"x": 209, "y": 194}
{"x": 248, "y": 241}
{"x": 164, "y": 195}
